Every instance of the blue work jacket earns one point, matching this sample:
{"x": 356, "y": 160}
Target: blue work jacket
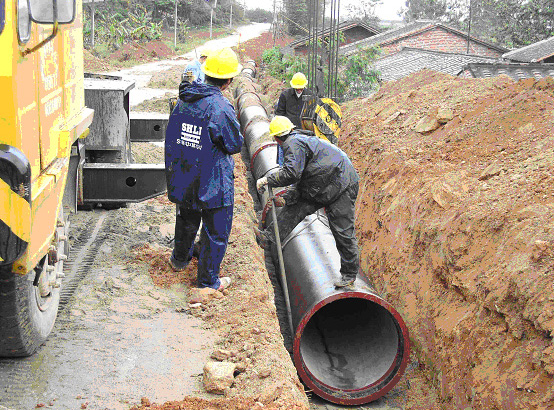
{"x": 195, "y": 67}
{"x": 201, "y": 135}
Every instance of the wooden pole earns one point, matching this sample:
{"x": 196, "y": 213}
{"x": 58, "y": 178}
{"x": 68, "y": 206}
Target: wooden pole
{"x": 274, "y": 21}
{"x": 92, "y": 12}
{"x": 212, "y": 17}
{"x": 175, "y": 28}
{"x": 469, "y": 28}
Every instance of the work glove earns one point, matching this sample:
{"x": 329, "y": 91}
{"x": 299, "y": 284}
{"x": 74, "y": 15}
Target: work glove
{"x": 261, "y": 184}
{"x": 279, "y": 201}
{"x": 291, "y": 195}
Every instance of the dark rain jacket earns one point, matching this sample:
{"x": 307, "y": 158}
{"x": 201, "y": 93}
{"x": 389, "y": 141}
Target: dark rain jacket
{"x": 201, "y": 135}
{"x": 290, "y": 105}
{"x": 321, "y": 170}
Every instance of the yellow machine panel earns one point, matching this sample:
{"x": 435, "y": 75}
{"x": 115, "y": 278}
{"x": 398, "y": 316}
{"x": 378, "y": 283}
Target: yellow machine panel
{"x": 42, "y": 114}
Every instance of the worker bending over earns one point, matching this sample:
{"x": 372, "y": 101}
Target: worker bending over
{"x": 290, "y": 102}
{"x": 202, "y": 134}
{"x": 324, "y": 178}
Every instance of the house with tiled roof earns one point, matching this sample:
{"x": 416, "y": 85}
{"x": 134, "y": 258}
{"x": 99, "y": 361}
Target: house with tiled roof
{"x": 409, "y": 60}
{"x": 352, "y": 31}
{"x": 517, "y": 71}
{"x": 428, "y": 35}
{"x": 539, "y": 52}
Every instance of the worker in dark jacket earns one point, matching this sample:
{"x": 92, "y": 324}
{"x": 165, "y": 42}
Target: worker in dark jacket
{"x": 290, "y": 102}
{"x": 202, "y": 134}
{"x": 324, "y": 178}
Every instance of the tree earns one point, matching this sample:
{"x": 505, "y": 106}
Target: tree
{"x": 364, "y": 10}
{"x": 511, "y": 23}
{"x": 259, "y": 15}
{"x": 426, "y": 10}
{"x": 296, "y": 17}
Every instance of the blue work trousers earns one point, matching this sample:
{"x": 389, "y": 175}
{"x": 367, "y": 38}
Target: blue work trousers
{"x": 214, "y": 237}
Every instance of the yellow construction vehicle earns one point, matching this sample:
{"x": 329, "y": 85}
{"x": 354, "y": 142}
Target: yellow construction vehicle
{"x": 45, "y": 168}
{"x": 42, "y": 115}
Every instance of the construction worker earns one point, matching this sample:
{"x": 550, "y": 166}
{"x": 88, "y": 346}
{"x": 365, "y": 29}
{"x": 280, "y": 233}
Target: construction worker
{"x": 193, "y": 71}
{"x": 324, "y": 178}
{"x": 290, "y": 102}
{"x": 201, "y": 135}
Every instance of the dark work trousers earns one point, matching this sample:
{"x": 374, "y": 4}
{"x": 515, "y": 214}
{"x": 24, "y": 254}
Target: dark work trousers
{"x": 340, "y": 214}
{"x": 214, "y": 236}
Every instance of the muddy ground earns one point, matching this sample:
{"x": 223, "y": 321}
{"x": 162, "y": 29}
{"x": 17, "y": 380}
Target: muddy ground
{"x": 456, "y": 220}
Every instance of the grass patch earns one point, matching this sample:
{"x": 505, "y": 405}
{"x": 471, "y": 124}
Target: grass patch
{"x": 160, "y": 105}
{"x": 134, "y": 56}
{"x": 196, "y": 37}
{"x": 170, "y": 78}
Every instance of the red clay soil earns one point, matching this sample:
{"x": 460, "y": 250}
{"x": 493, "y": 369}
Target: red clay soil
{"x": 254, "y": 48}
{"x": 456, "y": 228}
{"x": 144, "y": 52}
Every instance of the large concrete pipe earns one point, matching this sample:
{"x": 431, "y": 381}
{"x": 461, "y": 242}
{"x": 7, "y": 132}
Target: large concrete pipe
{"x": 350, "y": 346}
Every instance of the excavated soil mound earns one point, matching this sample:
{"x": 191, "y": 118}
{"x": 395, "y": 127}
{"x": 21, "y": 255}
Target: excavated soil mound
{"x": 456, "y": 227}
{"x": 143, "y": 52}
{"x": 255, "y": 47}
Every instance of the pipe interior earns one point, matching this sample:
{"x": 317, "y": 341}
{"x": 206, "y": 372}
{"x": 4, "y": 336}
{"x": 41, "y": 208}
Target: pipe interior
{"x": 350, "y": 343}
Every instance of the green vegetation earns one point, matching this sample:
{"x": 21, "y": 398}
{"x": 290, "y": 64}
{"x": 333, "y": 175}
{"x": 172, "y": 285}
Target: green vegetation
{"x": 259, "y": 15}
{"x": 121, "y": 22}
{"x": 283, "y": 67}
{"x": 356, "y": 75}
{"x": 511, "y": 23}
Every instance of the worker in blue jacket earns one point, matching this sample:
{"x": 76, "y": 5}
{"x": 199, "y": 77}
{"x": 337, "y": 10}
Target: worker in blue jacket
{"x": 201, "y": 135}
{"x": 324, "y": 178}
{"x": 193, "y": 70}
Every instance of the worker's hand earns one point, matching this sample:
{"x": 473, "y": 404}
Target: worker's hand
{"x": 261, "y": 184}
{"x": 279, "y": 201}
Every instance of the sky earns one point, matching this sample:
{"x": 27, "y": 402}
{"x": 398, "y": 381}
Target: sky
{"x": 386, "y": 11}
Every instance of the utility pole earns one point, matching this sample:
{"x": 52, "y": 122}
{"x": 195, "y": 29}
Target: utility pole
{"x": 175, "y": 28}
{"x": 469, "y": 27}
{"x": 92, "y": 13}
{"x": 274, "y": 21}
{"x": 212, "y": 17}
{"x": 231, "y": 16}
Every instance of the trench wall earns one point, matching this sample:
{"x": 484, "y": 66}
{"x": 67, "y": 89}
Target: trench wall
{"x": 456, "y": 228}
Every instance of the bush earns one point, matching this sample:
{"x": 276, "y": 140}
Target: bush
{"x": 282, "y": 66}
{"x": 356, "y": 76}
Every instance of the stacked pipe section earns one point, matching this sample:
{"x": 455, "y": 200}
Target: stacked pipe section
{"x": 349, "y": 346}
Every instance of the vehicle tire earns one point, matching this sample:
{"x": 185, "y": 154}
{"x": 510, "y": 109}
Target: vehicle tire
{"x": 28, "y": 310}
{"x": 26, "y": 317}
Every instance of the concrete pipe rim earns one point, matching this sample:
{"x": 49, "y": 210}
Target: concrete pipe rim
{"x": 376, "y": 388}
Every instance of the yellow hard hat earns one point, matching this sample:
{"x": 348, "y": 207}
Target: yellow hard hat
{"x": 222, "y": 63}
{"x": 299, "y": 80}
{"x": 280, "y": 126}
